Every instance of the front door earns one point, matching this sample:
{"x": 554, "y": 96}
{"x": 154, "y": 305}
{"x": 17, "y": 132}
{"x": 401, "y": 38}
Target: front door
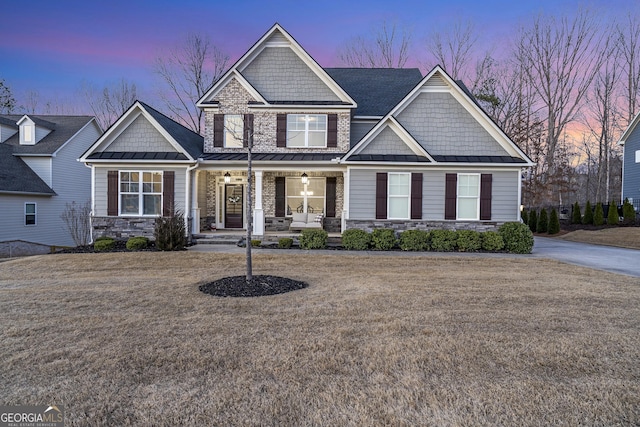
{"x": 233, "y": 217}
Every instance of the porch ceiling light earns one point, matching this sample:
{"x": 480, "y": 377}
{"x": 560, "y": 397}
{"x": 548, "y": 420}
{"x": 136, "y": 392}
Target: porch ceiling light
{"x": 304, "y": 178}
{"x": 227, "y": 178}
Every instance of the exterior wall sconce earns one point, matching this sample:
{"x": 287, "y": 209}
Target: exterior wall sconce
{"x": 227, "y": 178}
{"x": 304, "y": 178}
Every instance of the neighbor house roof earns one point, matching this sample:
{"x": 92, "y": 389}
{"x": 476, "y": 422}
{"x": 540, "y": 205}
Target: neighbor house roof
{"x": 17, "y": 177}
{"x": 62, "y": 129}
{"x": 376, "y": 90}
{"x": 192, "y": 142}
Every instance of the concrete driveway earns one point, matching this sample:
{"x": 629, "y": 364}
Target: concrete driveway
{"x": 608, "y": 258}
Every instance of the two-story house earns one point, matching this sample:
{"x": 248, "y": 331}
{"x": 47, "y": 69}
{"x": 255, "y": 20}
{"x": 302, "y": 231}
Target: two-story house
{"x": 630, "y": 141}
{"x": 363, "y": 148}
{"x": 39, "y": 175}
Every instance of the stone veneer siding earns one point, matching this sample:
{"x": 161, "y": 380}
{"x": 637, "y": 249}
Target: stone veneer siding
{"x": 402, "y": 225}
{"x": 233, "y": 99}
{"x": 121, "y": 228}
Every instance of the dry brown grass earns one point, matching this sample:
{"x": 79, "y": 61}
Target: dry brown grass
{"x": 623, "y": 237}
{"x": 127, "y": 339}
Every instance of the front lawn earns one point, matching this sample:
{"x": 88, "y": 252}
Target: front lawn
{"x": 128, "y": 339}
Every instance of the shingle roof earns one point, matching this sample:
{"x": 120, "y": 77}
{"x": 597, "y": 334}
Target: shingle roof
{"x": 192, "y": 142}
{"x": 8, "y": 122}
{"x": 376, "y": 90}
{"x": 17, "y": 177}
{"x": 64, "y": 128}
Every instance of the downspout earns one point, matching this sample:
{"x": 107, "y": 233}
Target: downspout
{"x": 188, "y": 197}
{"x": 93, "y": 199}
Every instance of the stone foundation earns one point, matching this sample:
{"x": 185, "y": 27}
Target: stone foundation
{"x": 370, "y": 225}
{"x": 122, "y": 228}
{"x": 331, "y": 225}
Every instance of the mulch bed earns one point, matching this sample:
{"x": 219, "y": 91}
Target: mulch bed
{"x": 262, "y": 285}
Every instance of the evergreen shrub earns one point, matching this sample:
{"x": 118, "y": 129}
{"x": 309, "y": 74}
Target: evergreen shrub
{"x": 588, "y": 214}
{"x": 137, "y": 243}
{"x": 533, "y": 221}
{"x": 443, "y": 240}
{"x": 313, "y": 239}
{"x": 414, "y": 240}
{"x": 384, "y": 239}
{"x": 492, "y": 241}
{"x": 517, "y": 237}
{"x": 543, "y": 221}
{"x": 468, "y": 240}
{"x": 554, "y": 222}
{"x": 598, "y": 215}
{"x": 355, "y": 239}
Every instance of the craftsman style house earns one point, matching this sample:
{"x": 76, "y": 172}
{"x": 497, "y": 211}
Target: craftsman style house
{"x": 345, "y": 147}
{"x": 630, "y": 141}
{"x": 39, "y": 175}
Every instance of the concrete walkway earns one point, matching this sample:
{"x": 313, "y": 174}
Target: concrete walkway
{"x": 607, "y": 258}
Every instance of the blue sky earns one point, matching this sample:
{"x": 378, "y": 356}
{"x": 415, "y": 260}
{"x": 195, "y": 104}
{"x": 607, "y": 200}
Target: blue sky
{"x": 52, "y": 46}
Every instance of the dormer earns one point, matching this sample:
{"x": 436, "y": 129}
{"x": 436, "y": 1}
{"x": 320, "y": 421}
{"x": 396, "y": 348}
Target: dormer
{"x": 33, "y": 129}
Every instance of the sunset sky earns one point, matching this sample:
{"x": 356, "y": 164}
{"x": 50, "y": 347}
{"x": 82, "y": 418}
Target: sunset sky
{"x": 52, "y": 46}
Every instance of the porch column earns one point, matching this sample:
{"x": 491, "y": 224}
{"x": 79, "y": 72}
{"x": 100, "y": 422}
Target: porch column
{"x": 345, "y": 203}
{"x": 195, "y": 211}
{"x": 258, "y": 212}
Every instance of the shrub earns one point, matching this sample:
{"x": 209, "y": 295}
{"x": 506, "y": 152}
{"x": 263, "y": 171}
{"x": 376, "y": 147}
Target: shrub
{"x": 588, "y": 214}
{"x": 524, "y": 215}
{"x": 598, "y": 215}
{"x": 103, "y": 238}
{"x": 383, "y": 239}
{"x": 543, "y": 221}
{"x": 137, "y": 243}
{"x": 554, "y": 222}
{"x": 103, "y": 244}
{"x": 443, "y": 240}
{"x": 533, "y": 221}
{"x": 170, "y": 232}
{"x": 355, "y": 239}
{"x": 313, "y": 239}
{"x": 285, "y": 243}
{"x": 628, "y": 213}
{"x": 256, "y": 243}
{"x": 468, "y": 240}
{"x": 414, "y": 240}
{"x": 517, "y": 237}
{"x": 576, "y": 217}
{"x": 612, "y": 215}
{"x": 492, "y": 241}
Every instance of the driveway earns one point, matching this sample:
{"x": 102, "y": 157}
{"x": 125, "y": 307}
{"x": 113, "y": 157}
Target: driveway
{"x": 607, "y": 258}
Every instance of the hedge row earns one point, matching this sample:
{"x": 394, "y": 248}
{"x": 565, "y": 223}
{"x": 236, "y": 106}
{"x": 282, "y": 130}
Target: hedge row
{"x": 513, "y": 237}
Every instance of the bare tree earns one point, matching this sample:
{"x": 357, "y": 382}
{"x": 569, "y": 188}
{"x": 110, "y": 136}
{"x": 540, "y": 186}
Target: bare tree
{"x": 110, "y": 102}
{"x": 562, "y": 58}
{"x": 77, "y": 221}
{"x": 31, "y": 100}
{"x": 187, "y": 72}
{"x": 7, "y": 101}
{"x": 629, "y": 49}
{"x": 388, "y": 47}
{"x": 453, "y": 49}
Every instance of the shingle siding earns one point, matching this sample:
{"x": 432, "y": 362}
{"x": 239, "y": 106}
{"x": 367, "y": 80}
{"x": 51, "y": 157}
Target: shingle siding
{"x": 280, "y": 75}
{"x": 140, "y": 136}
{"x": 631, "y": 180}
{"x": 387, "y": 142}
{"x": 443, "y": 127}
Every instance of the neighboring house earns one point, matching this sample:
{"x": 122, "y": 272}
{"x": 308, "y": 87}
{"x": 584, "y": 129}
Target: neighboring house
{"x": 364, "y": 148}
{"x": 39, "y": 174}
{"x": 630, "y": 141}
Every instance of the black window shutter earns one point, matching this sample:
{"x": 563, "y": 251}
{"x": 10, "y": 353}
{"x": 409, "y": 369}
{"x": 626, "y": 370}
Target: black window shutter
{"x": 247, "y": 130}
{"x": 168, "y": 179}
{"x": 450, "y": 196}
{"x": 218, "y": 130}
{"x": 112, "y": 193}
{"x": 280, "y": 196}
{"x": 281, "y": 130}
{"x": 332, "y": 130}
{"x": 416, "y": 196}
{"x": 485, "y": 196}
{"x": 331, "y": 197}
{"x": 381, "y": 195}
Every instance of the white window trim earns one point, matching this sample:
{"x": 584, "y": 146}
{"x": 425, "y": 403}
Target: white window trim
{"x": 389, "y": 196}
{"x": 235, "y": 133}
{"x": 305, "y": 197}
{"x": 637, "y": 156}
{"x": 35, "y": 214}
{"x": 140, "y": 194}
{"x": 306, "y": 131}
{"x": 458, "y": 197}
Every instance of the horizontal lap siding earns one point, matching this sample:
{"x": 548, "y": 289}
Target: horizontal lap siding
{"x": 433, "y": 195}
{"x": 362, "y": 197}
{"x": 504, "y": 196}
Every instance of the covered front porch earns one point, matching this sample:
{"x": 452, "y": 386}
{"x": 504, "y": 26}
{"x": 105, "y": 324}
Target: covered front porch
{"x": 279, "y": 195}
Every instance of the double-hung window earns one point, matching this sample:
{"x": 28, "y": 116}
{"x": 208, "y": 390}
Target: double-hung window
{"x": 233, "y": 128}
{"x": 140, "y": 193}
{"x": 30, "y": 214}
{"x": 399, "y": 195}
{"x": 306, "y": 130}
{"x": 468, "y": 196}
